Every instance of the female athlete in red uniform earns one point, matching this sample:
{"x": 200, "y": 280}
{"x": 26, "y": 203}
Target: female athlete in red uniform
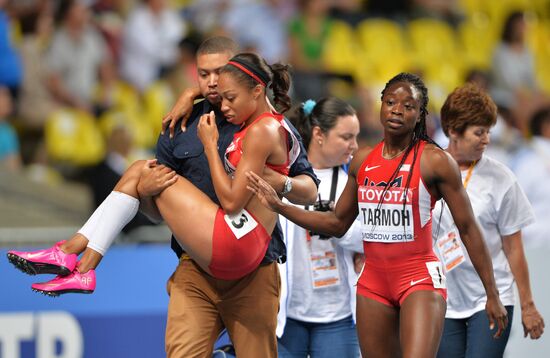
{"x": 393, "y": 188}
{"x": 226, "y": 241}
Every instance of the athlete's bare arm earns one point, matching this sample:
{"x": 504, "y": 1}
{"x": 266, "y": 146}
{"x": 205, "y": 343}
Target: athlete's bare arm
{"x": 334, "y": 223}
{"x": 304, "y": 189}
{"x": 533, "y": 323}
{"x": 441, "y": 174}
{"x": 260, "y": 141}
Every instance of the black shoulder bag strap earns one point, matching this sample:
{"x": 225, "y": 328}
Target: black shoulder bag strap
{"x": 333, "y": 185}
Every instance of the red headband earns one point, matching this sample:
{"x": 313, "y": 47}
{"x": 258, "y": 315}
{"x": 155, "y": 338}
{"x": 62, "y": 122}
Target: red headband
{"x": 247, "y": 71}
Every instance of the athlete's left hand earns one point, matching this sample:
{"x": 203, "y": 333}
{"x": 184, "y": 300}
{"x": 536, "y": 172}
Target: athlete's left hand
{"x": 497, "y": 315}
{"x": 208, "y": 131}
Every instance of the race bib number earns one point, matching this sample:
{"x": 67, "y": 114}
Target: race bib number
{"x": 241, "y": 223}
{"x": 324, "y": 264}
{"x": 450, "y": 250}
{"x": 389, "y": 222}
{"x": 436, "y": 272}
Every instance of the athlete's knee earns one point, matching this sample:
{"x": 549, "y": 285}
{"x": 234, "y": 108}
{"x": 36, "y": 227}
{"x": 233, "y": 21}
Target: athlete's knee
{"x": 135, "y": 168}
{"x": 129, "y": 180}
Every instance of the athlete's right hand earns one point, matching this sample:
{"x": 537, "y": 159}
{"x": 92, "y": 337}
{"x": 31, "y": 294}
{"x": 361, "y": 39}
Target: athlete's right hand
{"x": 264, "y": 192}
{"x": 497, "y": 315}
{"x": 155, "y": 178}
{"x": 182, "y": 109}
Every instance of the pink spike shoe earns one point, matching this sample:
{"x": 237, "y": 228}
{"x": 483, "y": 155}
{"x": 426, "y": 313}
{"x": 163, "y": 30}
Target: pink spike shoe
{"x": 76, "y": 282}
{"x": 52, "y": 260}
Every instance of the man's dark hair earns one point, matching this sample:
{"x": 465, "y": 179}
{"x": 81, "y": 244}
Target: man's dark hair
{"x": 218, "y": 44}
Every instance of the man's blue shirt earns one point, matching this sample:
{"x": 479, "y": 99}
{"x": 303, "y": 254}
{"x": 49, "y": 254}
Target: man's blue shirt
{"x": 185, "y": 154}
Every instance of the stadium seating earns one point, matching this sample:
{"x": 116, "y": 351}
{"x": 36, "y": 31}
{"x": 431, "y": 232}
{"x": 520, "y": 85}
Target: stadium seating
{"x": 122, "y": 95}
{"x": 341, "y": 51}
{"x": 73, "y": 137}
{"x": 436, "y": 51}
{"x": 143, "y": 136}
{"x": 477, "y": 40}
{"x": 538, "y": 39}
{"x": 157, "y": 100}
{"x": 384, "y": 47}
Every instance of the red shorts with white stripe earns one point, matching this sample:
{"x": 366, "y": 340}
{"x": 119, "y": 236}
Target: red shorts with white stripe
{"x": 239, "y": 244}
{"x": 392, "y": 284}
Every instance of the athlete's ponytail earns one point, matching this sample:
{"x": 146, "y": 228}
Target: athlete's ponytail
{"x": 280, "y": 84}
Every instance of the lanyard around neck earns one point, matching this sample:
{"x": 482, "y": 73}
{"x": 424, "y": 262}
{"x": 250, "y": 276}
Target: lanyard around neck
{"x": 469, "y": 174}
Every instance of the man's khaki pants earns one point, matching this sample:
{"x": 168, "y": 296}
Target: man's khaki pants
{"x": 201, "y": 306}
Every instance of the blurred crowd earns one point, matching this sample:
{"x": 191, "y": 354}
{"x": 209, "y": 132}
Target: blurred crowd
{"x": 84, "y": 84}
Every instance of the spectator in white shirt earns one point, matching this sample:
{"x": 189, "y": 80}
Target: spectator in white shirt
{"x": 502, "y": 211}
{"x": 76, "y": 56}
{"x": 532, "y": 167}
{"x": 317, "y": 306}
{"x": 150, "y": 42}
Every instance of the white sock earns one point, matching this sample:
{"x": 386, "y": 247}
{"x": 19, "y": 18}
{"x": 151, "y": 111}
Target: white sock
{"x": 108, "y": 220}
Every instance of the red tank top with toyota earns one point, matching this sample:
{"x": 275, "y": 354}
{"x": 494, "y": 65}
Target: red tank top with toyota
{"x": 399, "y": 227}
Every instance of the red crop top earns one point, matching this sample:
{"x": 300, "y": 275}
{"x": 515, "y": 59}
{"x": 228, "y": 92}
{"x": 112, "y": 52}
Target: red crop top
{"x": 234, "y": 151}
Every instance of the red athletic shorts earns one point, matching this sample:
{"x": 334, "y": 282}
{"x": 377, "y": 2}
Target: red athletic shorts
{"x": 238, "y": 245}
{"x": 391, "y": 284}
